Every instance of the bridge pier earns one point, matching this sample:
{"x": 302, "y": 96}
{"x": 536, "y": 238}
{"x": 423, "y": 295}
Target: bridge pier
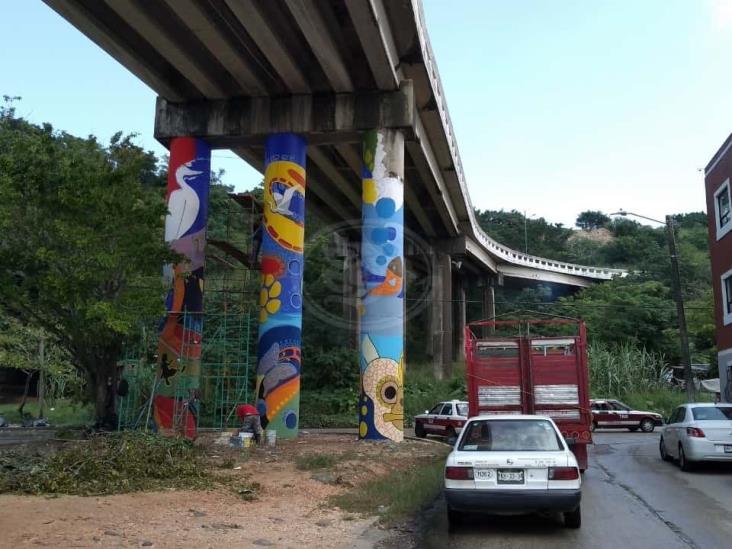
{"x": 441, "y": 314}
{"x": 179, "y": 343}
{"x": 459, "y": 286}
{"x": 280, "y": 298}
{"x": 381, "y": 343}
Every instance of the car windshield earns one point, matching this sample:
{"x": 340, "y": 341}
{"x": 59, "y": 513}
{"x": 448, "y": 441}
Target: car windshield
{"x": 712, "y": 413}
{"x": 462, "y": 409}
{"x": 500, "y": 435}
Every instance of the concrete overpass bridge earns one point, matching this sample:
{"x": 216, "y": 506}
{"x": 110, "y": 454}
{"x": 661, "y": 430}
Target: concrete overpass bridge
{"x": 349, "y": 92}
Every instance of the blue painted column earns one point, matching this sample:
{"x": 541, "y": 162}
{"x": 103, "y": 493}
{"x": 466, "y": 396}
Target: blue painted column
{"x": 381, "y": 339}
{"x": 280, "y": 298}
{"x": 179, "y": 344}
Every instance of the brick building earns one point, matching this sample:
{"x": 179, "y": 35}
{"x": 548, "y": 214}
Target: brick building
{"x": 718, "y": 178}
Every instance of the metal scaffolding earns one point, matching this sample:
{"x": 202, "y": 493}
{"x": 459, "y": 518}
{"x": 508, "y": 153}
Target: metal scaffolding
{"x": 228, "y": 350}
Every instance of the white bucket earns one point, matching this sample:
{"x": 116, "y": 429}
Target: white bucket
{"x": 246, "y": 439}
{"x": 271, "y": 437}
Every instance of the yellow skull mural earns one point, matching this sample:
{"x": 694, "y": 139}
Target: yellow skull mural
{"x": 382, "y": 382}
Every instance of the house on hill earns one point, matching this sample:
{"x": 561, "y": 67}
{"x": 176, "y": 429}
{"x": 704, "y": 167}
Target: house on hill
{"x": 718, "y": 175}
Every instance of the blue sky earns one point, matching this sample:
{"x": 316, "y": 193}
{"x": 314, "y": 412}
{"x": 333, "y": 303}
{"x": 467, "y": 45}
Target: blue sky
{"x": 558, "y": 105}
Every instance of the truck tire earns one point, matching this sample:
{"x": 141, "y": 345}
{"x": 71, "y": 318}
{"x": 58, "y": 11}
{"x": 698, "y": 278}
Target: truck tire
{"x": 419, "y": 430}
{"x": 573, "y": 519}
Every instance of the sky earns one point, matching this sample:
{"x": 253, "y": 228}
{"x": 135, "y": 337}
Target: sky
{"x": 559, "y": 106}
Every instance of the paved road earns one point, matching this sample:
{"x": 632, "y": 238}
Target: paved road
{"x": 631, "y": 499}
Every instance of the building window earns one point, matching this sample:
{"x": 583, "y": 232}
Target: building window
{"x": 723, "y": 209}
{"x": 727, "y": 297}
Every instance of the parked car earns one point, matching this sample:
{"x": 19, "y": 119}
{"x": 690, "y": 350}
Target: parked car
{"x": 445, "y": 419}
{"x": 613, "y": 414}
{"x": 698, "y": 432}
{"x": 512, "y": 464}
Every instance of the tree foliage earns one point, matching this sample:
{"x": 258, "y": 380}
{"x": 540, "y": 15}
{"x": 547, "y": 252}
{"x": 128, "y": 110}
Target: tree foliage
{"x": 591, "y": 219}
{"x": 82, "y": 244}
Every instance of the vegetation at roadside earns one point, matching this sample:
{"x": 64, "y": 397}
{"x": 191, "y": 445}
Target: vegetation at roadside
{"x": 662, "y": 401}
{"x": 63, "y": 413}
{"x": 111, "y": 464}
{"x": 399, "y": 494}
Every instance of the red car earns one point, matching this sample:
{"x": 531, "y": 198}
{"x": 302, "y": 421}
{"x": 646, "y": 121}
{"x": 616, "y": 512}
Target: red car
{"x": 613, "y": 414}
{"x": 446, "y": 419}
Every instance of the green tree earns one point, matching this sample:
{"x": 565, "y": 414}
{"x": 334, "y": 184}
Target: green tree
{"x": 82, "y": 245}
{"x": 591, "y": 219}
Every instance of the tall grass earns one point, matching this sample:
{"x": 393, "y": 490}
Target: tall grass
{"x": 619, "y": 370}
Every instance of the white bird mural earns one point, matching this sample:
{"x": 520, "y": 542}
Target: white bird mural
{"x": 282, "y": 200}
{"x": 183, "y": 204}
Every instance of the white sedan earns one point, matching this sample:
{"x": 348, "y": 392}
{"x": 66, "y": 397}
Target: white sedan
{"x": 511, "y": 464}
{"x": 698, "y": 432}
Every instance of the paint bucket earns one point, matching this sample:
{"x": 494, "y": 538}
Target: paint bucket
{"x": 271, "y": 437}
{"x": 246, "y": 439}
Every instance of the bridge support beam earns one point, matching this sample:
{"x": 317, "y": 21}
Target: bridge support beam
{"x": 280, "y": 298}
{"x": 488, "y": 303}
{"x": 441, "y": 314}
{"x": 179, "y": 344}
{"x": 381, "y": 343}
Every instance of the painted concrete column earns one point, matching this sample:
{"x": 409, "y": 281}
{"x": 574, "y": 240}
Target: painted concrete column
{"x": 179, "y": 346}
{"x": 381, "y": 346}
{"x": 280, "y": 297}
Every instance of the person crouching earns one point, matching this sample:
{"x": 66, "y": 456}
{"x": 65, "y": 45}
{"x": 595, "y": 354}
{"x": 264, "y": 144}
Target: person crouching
{"x": 250, "y": 423}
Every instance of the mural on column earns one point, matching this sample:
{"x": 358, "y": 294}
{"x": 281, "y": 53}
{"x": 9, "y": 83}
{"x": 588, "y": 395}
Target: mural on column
{"x": 280, "y": 297}
{"x": 179, "y": 346}
{"x": 381, "y": 406}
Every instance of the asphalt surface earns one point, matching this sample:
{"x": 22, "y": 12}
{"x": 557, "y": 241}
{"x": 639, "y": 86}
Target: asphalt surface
{"x": 630, "y": 499}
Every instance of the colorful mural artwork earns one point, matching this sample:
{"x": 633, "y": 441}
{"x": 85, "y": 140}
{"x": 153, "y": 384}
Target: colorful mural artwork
{"x": 280, "y": 297}
{"x": 381, "y": 406}
{"x": 179, "y": 345}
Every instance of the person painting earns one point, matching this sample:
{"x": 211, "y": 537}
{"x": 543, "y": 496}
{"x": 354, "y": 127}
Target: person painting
{"x": 250, "y": 423}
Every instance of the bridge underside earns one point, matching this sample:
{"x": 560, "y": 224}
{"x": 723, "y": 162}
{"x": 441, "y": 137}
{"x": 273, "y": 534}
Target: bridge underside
{"x": 341, "y": 97}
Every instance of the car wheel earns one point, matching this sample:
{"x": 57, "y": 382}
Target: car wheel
{"x": 454, "y": 518}
{"x": 662, "y": 450}
{"x": 593, "y": 426}
{"x": 647, "y": 425}
{"x": 419, "y": 430}
{"x": 573, "y": 519}
{"x": 684, "y": 463}
{"x": 632, "y": 429}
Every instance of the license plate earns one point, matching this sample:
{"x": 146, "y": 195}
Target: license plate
{"x": 510, "y": 476}
{"x": 483, "y": 474}
{"x": 728, "y": 448}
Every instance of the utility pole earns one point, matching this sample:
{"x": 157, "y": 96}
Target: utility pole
{"x": 679, "y": 299}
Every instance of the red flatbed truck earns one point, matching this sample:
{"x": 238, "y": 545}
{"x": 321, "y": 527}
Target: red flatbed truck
{"x": 537, "y": 369}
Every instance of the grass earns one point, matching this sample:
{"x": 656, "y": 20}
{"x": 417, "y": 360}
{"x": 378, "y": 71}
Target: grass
{"x": 400, "y": 494}
{"x": 663, "y": 401}
{"x": 62, "y": 413}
